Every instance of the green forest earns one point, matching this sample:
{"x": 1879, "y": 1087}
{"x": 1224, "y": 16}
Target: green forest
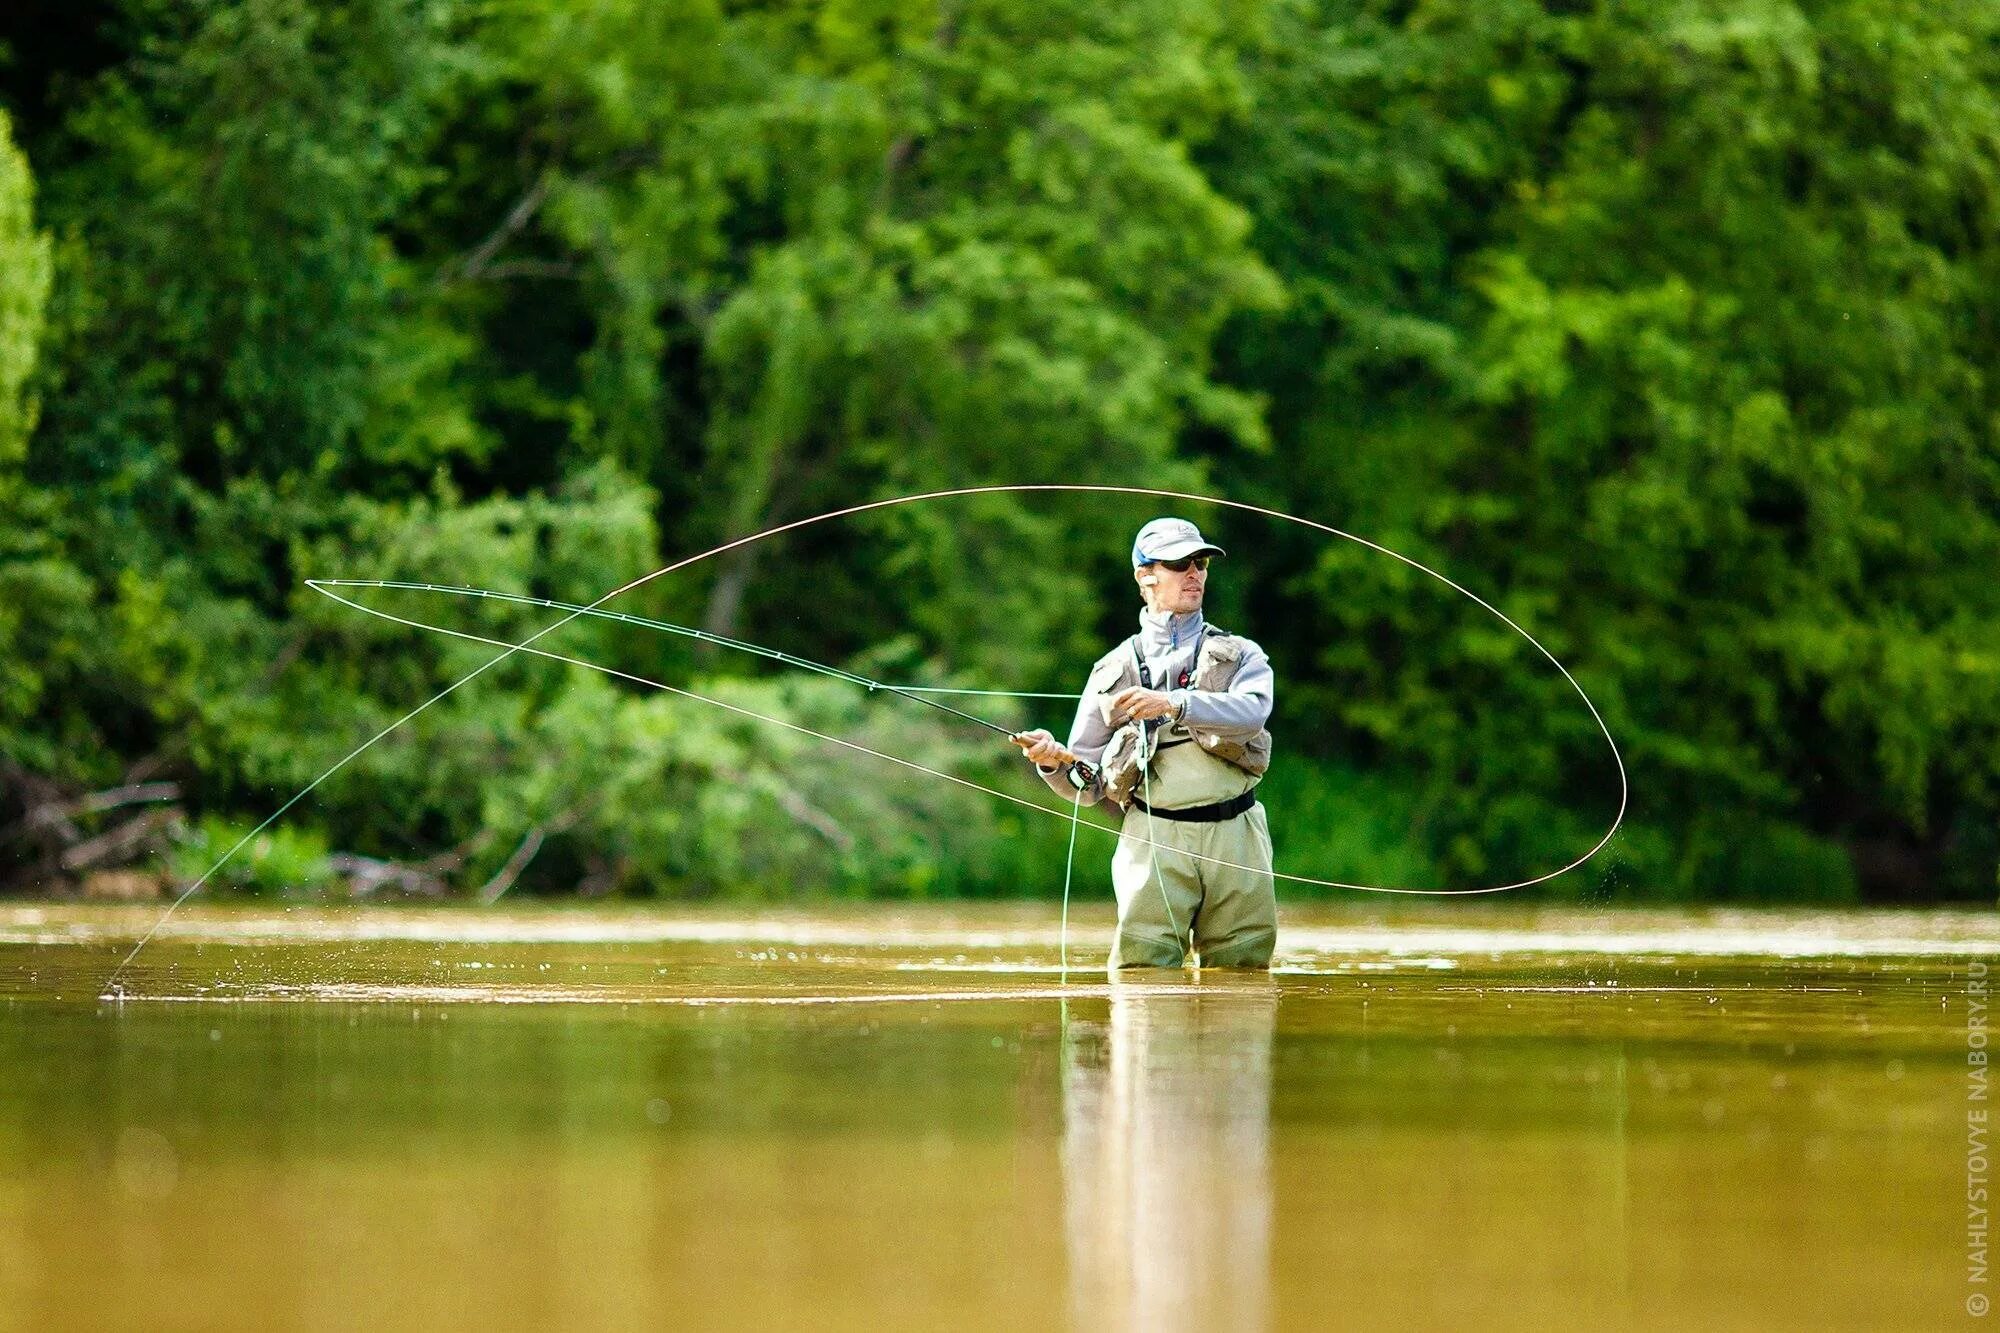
{"x": 1672, "y": 329}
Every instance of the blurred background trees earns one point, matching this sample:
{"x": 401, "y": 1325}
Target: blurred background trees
{"x": 1670, "y": 330}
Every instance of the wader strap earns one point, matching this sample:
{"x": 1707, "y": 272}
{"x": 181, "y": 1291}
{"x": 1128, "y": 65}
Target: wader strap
{"x": 1204, "y": 814}
{"x": 1185, "y": 679}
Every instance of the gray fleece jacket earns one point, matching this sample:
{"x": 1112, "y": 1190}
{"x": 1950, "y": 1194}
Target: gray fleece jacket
{"x": 1169, "y": 643}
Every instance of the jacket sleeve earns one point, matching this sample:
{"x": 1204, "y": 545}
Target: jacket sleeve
{"x": 1238, "y": 712}
{"x": 1088, "y": 735}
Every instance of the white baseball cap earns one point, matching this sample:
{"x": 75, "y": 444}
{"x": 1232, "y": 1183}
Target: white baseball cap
{"x": 1170, "y": 539}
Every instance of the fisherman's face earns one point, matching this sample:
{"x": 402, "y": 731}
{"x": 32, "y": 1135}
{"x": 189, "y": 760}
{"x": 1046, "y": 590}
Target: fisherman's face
{"x": 1177, "y": 593}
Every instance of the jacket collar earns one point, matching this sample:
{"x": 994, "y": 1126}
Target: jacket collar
{"x": 1161, "y": 632}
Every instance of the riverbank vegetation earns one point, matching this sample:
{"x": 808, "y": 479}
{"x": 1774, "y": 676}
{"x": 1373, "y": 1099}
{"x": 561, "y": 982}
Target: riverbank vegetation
{"x": 1671, "y": 330}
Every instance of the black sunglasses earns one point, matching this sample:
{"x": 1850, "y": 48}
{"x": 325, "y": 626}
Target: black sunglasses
{"x": 1180, "y": 566}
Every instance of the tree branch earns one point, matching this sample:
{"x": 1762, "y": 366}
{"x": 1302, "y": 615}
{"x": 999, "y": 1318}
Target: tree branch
{"x": 530, "y": 845}
{"x": 473, "y": 265}
{"x": 531, "y": 268}
{"x": 905, "y": 145}
{"x": 135, "y": 794}
{"x": 800, "y": 809}
{"x": 117, "y": 843}
{"x": 366, "y": 874}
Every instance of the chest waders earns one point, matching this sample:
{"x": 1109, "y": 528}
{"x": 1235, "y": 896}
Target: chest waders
{"x": 1220, "y": 885}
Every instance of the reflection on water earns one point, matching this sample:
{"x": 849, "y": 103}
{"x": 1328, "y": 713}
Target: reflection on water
{"x": 1166, "y": 1157}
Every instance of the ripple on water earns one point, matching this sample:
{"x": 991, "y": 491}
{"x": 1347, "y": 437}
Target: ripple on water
{"x": 1310, "y": 937}
{"x": 373, "y": 993}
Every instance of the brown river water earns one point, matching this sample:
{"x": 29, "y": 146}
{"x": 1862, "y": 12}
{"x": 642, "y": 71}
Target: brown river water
{"x": 1448, "y": 1116}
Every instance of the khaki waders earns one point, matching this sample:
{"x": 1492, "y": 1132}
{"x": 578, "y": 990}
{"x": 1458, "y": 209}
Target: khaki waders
{"x": 1201, "y": 884}
{"x": 1169, "y": 902}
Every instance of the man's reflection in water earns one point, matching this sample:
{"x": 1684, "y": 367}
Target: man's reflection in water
{"x": 1167, "y": 1155}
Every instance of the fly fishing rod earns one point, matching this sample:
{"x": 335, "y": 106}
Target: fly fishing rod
{"x": 1080, "y": 774}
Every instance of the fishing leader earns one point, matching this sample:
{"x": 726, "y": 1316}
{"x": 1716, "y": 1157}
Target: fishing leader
{"x": 1171, "y": 731}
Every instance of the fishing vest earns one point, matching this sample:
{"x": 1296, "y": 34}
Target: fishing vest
{"x": 1215, "y": 666}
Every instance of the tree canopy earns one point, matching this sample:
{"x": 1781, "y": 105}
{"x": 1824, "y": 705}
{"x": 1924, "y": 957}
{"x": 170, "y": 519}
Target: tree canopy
{"x": 1670, "y": 330}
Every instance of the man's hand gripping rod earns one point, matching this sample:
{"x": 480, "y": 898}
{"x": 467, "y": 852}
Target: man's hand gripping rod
{"x": 1080, "y": 775}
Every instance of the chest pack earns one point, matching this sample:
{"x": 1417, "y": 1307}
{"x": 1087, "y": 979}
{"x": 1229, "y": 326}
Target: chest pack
{"x": 1214, "y": 667}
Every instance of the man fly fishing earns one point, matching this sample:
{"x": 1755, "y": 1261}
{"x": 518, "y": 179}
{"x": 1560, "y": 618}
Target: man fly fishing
{"x": 1171, "y": 730}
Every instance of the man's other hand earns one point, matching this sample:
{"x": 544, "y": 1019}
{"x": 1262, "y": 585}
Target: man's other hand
{"x": 1140, "y": 704}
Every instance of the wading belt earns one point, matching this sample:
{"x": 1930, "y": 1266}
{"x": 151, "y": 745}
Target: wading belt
{"x": 1204, "y": 814}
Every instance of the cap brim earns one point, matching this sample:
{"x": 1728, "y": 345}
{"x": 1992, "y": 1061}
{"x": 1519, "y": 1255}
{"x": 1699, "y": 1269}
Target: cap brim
{"x": 1177, "y": 550}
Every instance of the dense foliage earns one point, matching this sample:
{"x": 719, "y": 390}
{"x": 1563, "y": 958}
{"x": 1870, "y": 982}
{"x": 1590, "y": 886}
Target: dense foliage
{"x": 1669, "y": 329}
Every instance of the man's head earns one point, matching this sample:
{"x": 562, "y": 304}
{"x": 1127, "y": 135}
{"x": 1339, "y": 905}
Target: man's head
{"x": 1170, "y": 564}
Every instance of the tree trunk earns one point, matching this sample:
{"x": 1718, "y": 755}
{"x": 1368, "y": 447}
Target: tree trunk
{"x": 725, "y": 599}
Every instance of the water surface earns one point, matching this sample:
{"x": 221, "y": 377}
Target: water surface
{"x": 916, "y": 1119}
